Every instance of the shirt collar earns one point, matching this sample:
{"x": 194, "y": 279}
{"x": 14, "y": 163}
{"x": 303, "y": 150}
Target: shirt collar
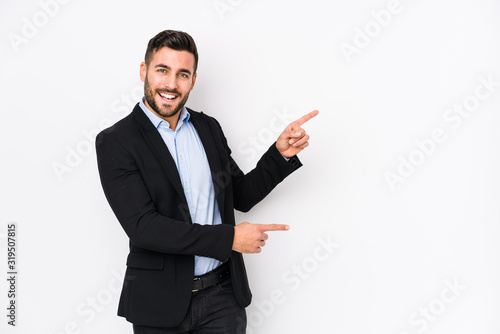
{"x": 158, "y": 121}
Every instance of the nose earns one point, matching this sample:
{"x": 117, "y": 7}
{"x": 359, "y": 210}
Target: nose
{"x": 170, "y": 81}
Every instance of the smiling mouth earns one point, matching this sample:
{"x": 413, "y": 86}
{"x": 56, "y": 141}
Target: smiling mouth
{"x": 168, "y": 97}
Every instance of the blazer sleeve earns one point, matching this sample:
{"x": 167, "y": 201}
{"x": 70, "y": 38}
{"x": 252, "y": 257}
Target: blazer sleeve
{"x": 132, "y": 204}
{"x": 250, "y": 188}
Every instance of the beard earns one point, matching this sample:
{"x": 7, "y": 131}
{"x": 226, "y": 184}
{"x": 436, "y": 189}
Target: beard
{"x": 164, "y": 110}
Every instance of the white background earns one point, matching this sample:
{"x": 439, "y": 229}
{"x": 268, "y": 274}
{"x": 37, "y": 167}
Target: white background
{"x": 399, "y": 248}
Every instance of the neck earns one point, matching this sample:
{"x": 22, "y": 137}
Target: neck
{"x": 172, "y": 120}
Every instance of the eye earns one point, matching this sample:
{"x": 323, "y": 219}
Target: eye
{"x": 162, "y": 70}
{"x": 184, "y": 75}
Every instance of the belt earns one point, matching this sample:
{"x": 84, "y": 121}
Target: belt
{"x": 211, "y": 278}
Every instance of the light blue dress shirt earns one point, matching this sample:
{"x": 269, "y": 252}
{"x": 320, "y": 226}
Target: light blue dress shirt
{"x": 189, "y": 155}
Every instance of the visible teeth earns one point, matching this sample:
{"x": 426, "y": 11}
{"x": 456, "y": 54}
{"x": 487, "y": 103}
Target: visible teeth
{"x": 168, "y": 96}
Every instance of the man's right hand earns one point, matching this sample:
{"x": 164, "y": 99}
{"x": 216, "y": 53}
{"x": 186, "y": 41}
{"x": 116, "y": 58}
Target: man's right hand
{"x": 249, "y": 238}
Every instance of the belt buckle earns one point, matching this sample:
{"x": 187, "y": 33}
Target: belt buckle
{"x": 194, "y": 280}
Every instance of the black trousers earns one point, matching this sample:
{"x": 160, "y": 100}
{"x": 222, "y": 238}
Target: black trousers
{"x": 213, "y": 310}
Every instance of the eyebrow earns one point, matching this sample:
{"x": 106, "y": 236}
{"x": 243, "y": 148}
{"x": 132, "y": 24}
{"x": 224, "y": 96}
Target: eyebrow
{"x": 183, "y": 70}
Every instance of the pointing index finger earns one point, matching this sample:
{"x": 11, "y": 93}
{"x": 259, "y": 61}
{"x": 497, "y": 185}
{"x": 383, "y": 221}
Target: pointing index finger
{"x": 274, "y": 227}
{"x": 305, "y": 118}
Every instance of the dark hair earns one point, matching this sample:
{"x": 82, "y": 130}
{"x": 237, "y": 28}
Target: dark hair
{"x": 175, "y": 40}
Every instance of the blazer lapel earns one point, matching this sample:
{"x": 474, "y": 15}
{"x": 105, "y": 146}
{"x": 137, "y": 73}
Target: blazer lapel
{"x": 159, "y": 148}
{"x": 202, "y": 127}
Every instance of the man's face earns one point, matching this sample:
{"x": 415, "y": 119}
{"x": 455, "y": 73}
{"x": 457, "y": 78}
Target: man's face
{"x": 167, "y": 82}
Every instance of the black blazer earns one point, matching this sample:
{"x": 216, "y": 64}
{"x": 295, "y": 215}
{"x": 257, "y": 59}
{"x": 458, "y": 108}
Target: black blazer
{"x": 142, "y": 185}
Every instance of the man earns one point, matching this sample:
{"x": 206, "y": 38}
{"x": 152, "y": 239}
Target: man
{"x": 168, "y": 175}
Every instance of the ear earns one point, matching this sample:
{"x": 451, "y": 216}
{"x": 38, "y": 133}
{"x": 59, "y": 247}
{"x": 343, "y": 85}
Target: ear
{"x": 143, "y": 71}
{"x": 194, "y": 80}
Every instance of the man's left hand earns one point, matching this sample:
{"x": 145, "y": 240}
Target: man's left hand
{"x": 294, "y": 139}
